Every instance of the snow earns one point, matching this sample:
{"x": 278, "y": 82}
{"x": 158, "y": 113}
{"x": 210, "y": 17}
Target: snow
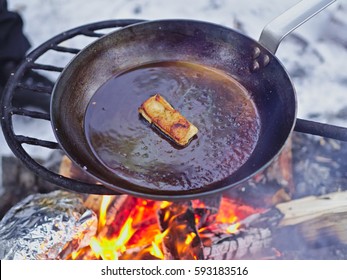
{"x": 315, "y": 54}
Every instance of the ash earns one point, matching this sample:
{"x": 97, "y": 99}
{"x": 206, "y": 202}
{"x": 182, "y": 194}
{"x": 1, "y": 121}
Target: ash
{"x": 319, "y": 165}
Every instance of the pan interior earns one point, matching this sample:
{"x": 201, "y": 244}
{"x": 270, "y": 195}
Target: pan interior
{"x": 136, "y": 151}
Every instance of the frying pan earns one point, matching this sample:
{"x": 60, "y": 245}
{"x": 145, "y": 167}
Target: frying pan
{"x": 170, "y": 173}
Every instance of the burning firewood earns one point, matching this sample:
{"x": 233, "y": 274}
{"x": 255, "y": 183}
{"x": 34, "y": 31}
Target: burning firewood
{"x": 181, "y": 240}
{"x": 198, "y": 229}
{"x": 206, "y": 210}
{"x": 128, "y": 229}
{"x": 287, "y": 226}
{"x": 248, "y": 242}
{"x": 117, "y": 213}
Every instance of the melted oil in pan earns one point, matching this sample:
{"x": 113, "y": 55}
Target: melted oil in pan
{"x": 214, "y": 102}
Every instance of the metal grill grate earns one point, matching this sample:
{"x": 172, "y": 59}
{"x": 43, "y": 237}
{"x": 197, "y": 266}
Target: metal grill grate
{"x": 16, "y": 141}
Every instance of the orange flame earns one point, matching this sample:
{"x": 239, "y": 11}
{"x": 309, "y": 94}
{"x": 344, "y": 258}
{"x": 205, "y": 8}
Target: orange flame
{"x": 233, "y": 228}
{"x": 110, "y": 249}
{"x": 189, "y": 238}
{"x": 164, "y": 204}
{"x": 133, "y": 233}
{"x": 105, "y": 202}
{"x": 156, "y": 251}
{"x": 106, "y": 249}
{"x": 141, "y": 230}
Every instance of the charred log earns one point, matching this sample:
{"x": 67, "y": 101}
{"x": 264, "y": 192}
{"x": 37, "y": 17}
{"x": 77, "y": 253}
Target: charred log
{"x": 17, "y": 181}
{"x": 117, "y": 214}
{"x": 206, "y": 210}
{"x": 182, "y": 240}
{"x": 298, "y": 228}
{"x": 244, "y": 243}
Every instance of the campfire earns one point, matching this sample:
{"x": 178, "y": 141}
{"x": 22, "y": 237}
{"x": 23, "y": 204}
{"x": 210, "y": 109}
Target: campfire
{"x": 134, "y": 228}
{"x": 272, "y": 216}
{"x": 294, "y": 209}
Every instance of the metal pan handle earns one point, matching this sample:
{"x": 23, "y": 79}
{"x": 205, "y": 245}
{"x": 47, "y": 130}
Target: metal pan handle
{"x": 275, "y": 31}
{"x": 321, "y": 129}
{"x": 272, "y": 35}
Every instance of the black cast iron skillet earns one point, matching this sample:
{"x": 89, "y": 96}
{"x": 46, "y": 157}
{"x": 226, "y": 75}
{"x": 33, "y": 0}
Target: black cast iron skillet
{"x": 245, "y": 60}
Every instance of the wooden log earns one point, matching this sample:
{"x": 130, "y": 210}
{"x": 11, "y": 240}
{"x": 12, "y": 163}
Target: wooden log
{"x": 237, "y": 246}
{"x": 312, "y": 207}
{"x": 182, "y": 240}
{"x": 295, "y": 225}
{"x": 117, "y": 214}
{"x": 319, "y": 221}
{"x": 70, "y": 170}
{"x": 210, "y": 202}
{"x": 93, "y": 202}
{"x": 206, "y": 210}
{"x": 17, "y": 182}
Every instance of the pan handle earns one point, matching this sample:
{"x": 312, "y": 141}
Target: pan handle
{"x": 275, "y": 31}
{"x": 321, "y": 129}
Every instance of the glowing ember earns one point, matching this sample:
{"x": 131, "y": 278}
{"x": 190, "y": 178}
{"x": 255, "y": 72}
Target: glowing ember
{"x": 233, "y": 228}
{"x": 190, "y": 238}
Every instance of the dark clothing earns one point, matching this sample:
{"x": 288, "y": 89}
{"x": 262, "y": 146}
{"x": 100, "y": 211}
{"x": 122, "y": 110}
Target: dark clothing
{"x": 13, "y": 43}
{"x": 13, "y": 48}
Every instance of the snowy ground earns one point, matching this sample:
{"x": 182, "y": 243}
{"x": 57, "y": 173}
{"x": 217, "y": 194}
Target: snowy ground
{"x": 315, "y": 55}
